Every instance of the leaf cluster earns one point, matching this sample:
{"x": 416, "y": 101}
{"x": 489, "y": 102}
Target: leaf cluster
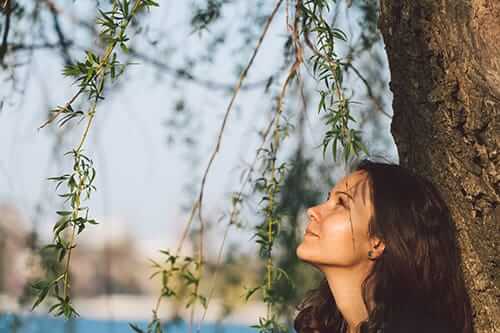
{"x": 154, "y": 326}
{"x": 91, "y": 74}
{"x": 269, "y": 185}
{"x": 114, "y": 22}
{"x": 327, "y": 67}
{"x": 169, "y": 269}
{"x": 79, "y": 185}
{"x": 270, "y": 325}
{"x": 62, "y": 306}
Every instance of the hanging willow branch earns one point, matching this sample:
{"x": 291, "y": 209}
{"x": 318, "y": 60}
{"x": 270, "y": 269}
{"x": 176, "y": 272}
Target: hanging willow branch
{"x": 91, "y": 76}
{"x": 270, "y": 184}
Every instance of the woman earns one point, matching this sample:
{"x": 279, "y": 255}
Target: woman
{"x": 386, "y": 244}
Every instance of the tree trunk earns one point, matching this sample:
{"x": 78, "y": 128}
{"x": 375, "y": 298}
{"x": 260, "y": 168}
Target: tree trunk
{"x": 444, "y": 58}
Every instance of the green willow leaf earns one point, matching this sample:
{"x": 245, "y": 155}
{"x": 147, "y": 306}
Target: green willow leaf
{"x": 134, "y": 327}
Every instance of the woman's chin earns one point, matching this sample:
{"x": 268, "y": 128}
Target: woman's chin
{"x": 302, "y": 252}
{"x": 307, "y": 254}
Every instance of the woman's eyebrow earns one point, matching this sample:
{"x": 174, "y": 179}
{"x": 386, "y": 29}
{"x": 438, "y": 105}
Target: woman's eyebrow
{"x": 349, "y": 195}
{"x": 355, "y": 189}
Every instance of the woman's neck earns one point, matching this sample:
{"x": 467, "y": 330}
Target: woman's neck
{"x": 345, "y": 285}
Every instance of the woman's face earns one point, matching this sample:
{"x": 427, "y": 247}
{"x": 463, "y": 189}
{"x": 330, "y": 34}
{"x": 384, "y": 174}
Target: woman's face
{"x": 337, "y": 232}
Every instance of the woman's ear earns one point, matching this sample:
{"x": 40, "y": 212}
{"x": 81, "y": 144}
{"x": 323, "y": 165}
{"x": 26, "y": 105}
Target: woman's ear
{"x": 376, "y": 248}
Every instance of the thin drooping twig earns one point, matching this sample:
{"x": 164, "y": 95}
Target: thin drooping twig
{"x": 61, "y": 37}
{"x": 182, "y": 74}
{"x": 368, "y": 88}
{"x": 30, "y": 47}
{"x": 233, "y": 214}
{"x": 294, "y": 70}
{"x": 197, "y": 204}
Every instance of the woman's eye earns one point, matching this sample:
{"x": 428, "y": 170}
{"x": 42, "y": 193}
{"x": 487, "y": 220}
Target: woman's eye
{"x": 341, "y": 202}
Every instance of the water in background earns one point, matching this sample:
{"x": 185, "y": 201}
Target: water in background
{"x": 40, "y": 324}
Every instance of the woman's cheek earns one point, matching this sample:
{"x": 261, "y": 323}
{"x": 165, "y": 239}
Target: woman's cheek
{"x": 336, "y": 240}
{"x": 334, "y": 229}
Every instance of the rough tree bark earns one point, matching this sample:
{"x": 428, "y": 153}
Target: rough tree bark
{"x": 444, "y": 58}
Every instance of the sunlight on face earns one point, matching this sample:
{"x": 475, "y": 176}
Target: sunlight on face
{"x": 337, "y": 232}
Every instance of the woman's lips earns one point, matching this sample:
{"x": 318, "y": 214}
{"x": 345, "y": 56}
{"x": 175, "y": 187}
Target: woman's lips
{"x": 310, "y": 233}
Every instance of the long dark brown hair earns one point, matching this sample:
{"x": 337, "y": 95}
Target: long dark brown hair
{"x": 417, "y": 282}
